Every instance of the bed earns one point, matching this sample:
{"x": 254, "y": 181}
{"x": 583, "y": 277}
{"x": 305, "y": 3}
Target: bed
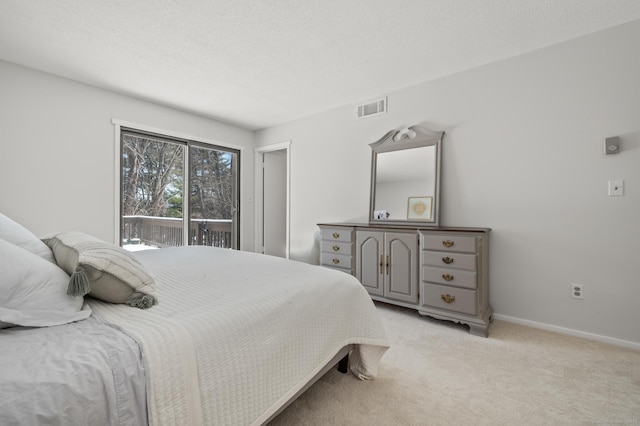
{"x": 231, "y": 338}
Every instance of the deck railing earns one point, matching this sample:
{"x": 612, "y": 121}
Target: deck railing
{"x": 167, "y": 231}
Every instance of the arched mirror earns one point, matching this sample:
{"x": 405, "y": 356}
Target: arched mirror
{"x": 405, "y": 177}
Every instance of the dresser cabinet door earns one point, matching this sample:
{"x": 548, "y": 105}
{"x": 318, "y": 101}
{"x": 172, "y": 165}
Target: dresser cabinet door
{"x": 401, "y": 267}
{"x": 370, "y": 261}
{"x": 387, "y": 264}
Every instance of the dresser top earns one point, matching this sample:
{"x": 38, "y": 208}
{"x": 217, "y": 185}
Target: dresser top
{"x": 407, "y": 227}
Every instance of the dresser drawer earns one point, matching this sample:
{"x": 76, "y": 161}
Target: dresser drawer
{"x": 336, "y": 260}
{"x": 449, "y": 298}
{"x": 449, "y": 260}
{"x": 441, "y": 242}
{"x": 346, "y": 271}
{"x": 336, "y": 247}
{"x": 335, "y": 234}
{"x": 453, "y": 277}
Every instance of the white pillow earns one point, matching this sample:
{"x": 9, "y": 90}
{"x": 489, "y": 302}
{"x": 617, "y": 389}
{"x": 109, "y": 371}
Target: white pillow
{"x": 33, "y": 292}
{"x": 22, "y": 237}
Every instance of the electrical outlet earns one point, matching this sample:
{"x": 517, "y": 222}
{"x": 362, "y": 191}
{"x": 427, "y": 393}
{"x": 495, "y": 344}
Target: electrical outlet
{"x": 577, "y": 291}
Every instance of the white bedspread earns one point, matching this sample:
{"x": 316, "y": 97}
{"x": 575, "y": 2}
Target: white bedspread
{"x": 236, "y": 334}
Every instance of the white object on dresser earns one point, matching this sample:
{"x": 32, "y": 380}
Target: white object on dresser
{"x": 439, "y": 271}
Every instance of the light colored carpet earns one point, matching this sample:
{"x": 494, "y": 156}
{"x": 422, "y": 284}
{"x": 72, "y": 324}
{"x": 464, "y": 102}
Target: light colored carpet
{"x": 437, "y": 374}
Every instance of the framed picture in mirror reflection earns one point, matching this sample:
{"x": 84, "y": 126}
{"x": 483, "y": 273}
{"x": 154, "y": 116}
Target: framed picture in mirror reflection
{"x": 420, "y": 208}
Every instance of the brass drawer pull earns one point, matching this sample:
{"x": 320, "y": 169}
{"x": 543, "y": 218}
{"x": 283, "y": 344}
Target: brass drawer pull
{"x": 381, "y": 264}
{"x": 447, "y": 277}
{"x": 336, "y": 235}
{"x": 447, "y": 243}
{"x": 448, "y": 298}
{"x": 447, "y": 260}
{"x": 335, "y": 248}
{"x": 335, "y": 260}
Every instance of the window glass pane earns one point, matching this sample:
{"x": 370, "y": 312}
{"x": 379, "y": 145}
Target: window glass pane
{"x": 159, "y": 192}
{"x": 152, "y": 192}
{"x": 213, "y": 197}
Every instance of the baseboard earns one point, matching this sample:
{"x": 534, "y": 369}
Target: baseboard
{"x": 569, "y": 331}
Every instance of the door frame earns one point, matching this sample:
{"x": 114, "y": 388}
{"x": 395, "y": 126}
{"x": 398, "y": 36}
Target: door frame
{"x": 258, "y": 197}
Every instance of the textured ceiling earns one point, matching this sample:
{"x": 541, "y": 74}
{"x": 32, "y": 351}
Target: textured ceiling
{"x": 259, "y": 63}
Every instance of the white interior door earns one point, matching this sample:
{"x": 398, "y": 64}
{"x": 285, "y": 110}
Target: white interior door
{"x": 272, "y": 199}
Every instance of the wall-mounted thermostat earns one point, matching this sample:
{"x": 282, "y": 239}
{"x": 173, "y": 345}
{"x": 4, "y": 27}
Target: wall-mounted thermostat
{"x": 612, "y": 145}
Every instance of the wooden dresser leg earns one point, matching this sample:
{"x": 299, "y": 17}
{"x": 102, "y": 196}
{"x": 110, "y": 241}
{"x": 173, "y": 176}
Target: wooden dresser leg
{"x": 479, "y": 330}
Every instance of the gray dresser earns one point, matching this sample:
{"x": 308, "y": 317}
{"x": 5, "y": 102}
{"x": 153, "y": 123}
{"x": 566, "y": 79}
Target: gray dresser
{"x": 441, "y": 272}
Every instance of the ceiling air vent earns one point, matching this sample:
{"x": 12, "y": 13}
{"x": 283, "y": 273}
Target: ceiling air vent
{"x": 379, "y": 106}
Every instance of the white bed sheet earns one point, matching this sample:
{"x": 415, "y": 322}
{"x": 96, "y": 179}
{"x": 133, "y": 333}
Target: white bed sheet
{"x": 236, "y": 334}
{"x": 82, "y": 373}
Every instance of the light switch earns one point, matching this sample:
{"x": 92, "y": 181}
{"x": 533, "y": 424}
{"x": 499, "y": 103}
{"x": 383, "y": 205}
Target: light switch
{"x": 616, "y": 187}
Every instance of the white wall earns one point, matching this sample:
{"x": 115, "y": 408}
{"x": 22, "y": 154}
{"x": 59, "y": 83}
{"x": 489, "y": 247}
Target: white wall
{"x": 57, "y": 158}
{"x": 522, "y": 155}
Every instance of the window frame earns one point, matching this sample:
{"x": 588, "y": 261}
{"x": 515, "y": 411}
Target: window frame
{"x": 172, "y": 137}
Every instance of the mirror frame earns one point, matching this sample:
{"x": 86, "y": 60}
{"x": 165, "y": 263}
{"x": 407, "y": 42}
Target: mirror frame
{"x": 396, "y": 140}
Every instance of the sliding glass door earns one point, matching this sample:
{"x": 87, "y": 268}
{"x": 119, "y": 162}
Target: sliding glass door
{"x": 165, "y": 180}
{"x": 213, "y": 201}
